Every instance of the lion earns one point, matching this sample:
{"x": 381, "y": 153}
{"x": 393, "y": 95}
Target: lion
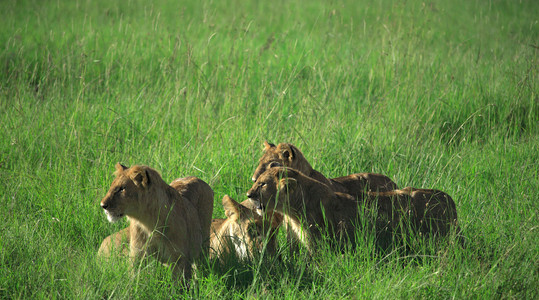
{"x": 200, "y": 194}
{"x": 243, "y": 233}
{"x": 163, "y": 222}
{"x": 193, "y": 189}
{"x": 288, "y": 155}
{"x": 426, "y": 211}
{"x": 312, "y": 209}
{"x": 117, "y": 242}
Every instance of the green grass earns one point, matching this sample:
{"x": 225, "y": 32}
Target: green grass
{"x": 440, "y": 94}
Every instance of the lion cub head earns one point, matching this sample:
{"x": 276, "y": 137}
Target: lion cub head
{"x": 283, "y": 154}
{"x": 244, "y": 232}
{"x": 126, "y": 194}
{"x": 273, "y": 188}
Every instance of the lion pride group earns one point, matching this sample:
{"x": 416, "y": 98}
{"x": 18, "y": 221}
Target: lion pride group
{"x": 173, "y": 222}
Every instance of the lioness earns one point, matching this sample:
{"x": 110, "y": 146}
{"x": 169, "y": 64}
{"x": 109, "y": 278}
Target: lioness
{"x": 162, "y": 221}
{"x": 191, "y": 188}
{"x": 427, "y": 211}
{"x": 312, "y": 208}
{"x": 288, "y": 155}
{"x": 243, "y": 232}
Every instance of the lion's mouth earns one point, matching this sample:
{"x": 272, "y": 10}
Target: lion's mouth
{"x": 257, "y": 203}
{"x": 112, "y": 217}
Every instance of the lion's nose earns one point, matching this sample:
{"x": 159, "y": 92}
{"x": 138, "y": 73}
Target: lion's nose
{"x": 250, "y": 194}
{"x": 104, "y": 205}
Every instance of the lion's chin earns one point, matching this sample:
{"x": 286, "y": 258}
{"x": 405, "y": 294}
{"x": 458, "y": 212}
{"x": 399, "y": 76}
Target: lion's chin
{"x": 257, "y": 204}
{"x": 113, "y": 217}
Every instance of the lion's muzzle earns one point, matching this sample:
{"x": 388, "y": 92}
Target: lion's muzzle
{"x": 112, "y": 216}
{"x": 257, "y": 203}
{"x": 109, "y": 211}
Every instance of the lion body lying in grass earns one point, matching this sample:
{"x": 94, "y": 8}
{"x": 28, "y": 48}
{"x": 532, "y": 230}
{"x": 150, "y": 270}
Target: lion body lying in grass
{"x": 243, "y": 233}
{"x": 312, "y": 209}
{"x": 163, "y": 222}
{"x": 288, "y": 155}
{"x": 425, "y": 211}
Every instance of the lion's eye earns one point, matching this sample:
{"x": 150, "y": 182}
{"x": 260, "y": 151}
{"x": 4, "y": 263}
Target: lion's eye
{"x": 121, "y": 189}
{"x": 263, "y": 184}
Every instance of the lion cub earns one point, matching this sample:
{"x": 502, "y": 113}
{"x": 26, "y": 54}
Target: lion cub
{"x": 243, "y": 233}
{"x": 288, "y": 155}
{"x": 163, "y": 221}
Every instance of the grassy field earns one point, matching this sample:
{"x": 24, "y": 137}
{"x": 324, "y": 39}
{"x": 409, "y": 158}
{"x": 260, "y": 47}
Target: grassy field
{"x": 435, "y": 94}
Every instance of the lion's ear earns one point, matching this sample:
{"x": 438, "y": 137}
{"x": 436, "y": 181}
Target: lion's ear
{"x": 287, "y": 185}
{"x": 275, "y": 164}
{"x": 141, "y": 178}
{"x": 288, "y": 152}
{"x": 120, "y": 168}
{"x": 268, "y": 145}
{"x": 231, "y": 206}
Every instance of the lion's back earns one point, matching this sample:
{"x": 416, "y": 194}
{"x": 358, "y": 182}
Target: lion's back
{"x": 200, "y": 195}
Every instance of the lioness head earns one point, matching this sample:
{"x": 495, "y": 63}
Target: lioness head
{"x": 246, "y": 230}
{"x": 272, "y": 189}
{"x": 283, "y": 154}
{"x": 127, "y": 191}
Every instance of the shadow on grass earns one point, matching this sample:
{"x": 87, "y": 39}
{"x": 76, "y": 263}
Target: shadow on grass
{"x": 260, "y": 276}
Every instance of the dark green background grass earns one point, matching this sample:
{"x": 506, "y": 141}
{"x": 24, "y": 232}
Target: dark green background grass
{"x": 437, "y": 94}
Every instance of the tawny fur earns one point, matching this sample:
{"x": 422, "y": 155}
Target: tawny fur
{"x": 116, "y": 243}
{"x": 198, "y": 192}
{"x": 312, "y": 209}
{"x": 243, "y": 233}
{"x": 427, "y": 211}
{"x": 288, "y": 155}
{"x": 163, "y": 222}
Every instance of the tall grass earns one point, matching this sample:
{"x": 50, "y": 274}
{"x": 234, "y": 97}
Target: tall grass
{"x": 439, "y": 94}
